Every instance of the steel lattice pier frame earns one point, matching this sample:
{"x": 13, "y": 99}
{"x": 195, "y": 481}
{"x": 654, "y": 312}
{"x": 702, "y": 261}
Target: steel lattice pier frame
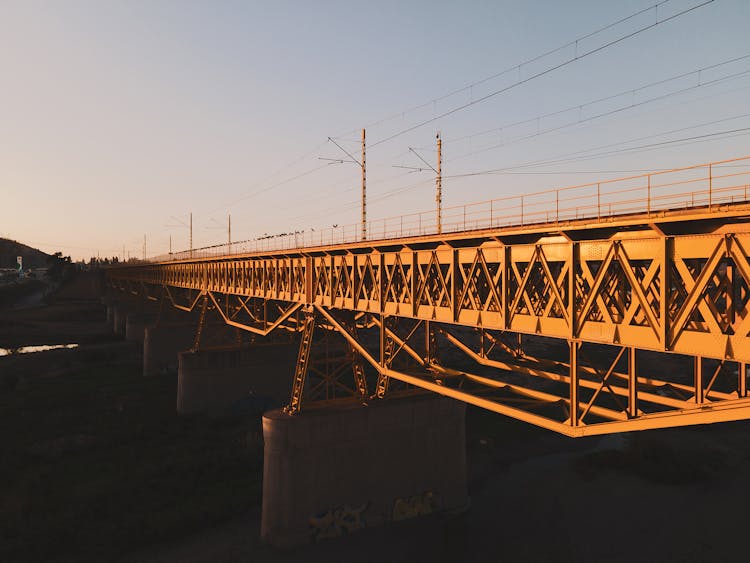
{"x": 610, "y": 291}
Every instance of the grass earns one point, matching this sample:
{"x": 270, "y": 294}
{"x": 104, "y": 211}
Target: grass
{"x": 97, "y": 464}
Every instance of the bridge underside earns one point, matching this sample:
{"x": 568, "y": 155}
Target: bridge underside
{"x": 587, "y": 327}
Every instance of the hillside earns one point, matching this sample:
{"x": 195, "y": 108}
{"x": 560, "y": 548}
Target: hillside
{"x": 32, "y": 258}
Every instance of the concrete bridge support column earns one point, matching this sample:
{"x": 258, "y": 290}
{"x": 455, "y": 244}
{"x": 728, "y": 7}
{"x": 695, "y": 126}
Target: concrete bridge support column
{"x": 335, "y": 470}
{"x": 120, "y": 317}
{"x": 162, "y": 344}
{"x": 219, "y": 379}
{"x": 111, "y": 315}
{"x": 109, "y": 303}
{"x": 136, "y": 324}
{"x": 118, "y": 310}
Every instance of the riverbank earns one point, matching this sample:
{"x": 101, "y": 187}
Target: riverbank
{"x": 17, "y": 294}
{"x": 97, "y": 466}
{"x": 70, "y": 314}
{"x": 95, "y": 462}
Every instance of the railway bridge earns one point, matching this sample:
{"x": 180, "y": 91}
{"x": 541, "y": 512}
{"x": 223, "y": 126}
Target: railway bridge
{"x": 609, "y": 307}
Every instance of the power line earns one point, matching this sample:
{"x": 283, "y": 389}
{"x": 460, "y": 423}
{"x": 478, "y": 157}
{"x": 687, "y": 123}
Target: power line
{"x": 274, "y": 174}
{"x": 339, "y": 192}
{"x": 644, "y": 138}
{"x": 594, "y": 117}
{"x": 285, "y": 181}
{"x": 574, "y": 58}
{"x": 518, "y": 67}
{"x": 631, "y": 91}
{"x": 508, "y": 70}
{"x": 630, "y": 171}
{"x": 354, "y": 204}
{"x": 504, "y": 171}
{"x": 563, "y": 159}
{"x": 578, "y": 155}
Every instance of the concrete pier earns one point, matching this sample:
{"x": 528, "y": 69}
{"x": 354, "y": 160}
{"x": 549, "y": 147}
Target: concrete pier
{"x": 216, "y": 379}
{"x": 162, "y": 344}
{"x": 118, "y": 310}
{"x": 110, "y": 303}
{"x": 121, "y": 311}
{"x": 335, "y": 470}
{"x": 136, "y": 324}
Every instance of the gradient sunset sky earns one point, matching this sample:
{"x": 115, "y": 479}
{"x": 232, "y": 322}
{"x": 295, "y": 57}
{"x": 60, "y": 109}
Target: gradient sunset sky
{"x": 120, "y": 118}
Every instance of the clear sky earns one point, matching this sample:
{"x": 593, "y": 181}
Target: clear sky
{"x": 117, "y": 119}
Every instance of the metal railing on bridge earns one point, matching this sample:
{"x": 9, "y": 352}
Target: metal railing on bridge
{"x": 612, "y": 317}
{"x": 708, "y": 186}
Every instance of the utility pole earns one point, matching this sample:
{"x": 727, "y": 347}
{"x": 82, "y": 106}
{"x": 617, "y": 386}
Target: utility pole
{"x": 364, "y": 190}
{"x": 361, "y": 164}
{"x": 439, "y": 185}
{"x": 180, "y": 222}
{"x": 229, "y": 233}
{"x": 144, "y": 247}
{"x": 438, "y": 178}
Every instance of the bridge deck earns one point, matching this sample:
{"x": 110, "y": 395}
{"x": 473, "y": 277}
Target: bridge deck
{"x": 671, "y": 281}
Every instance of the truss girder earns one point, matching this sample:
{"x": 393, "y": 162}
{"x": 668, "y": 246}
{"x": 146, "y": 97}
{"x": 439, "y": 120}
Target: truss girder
{"x": 684, "y": 413}
{"x": 606, "y": 299}
{"x": 669, "y": 294}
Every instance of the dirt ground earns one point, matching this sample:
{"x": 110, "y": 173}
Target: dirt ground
{"x": 73, "y": 314}
{"x": 96, "y": 466}
{"x": 670, "y": 495}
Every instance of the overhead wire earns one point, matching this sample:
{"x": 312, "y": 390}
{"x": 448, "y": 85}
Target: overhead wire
{"x": 557, "y": 160}
{"x": 510, "y": 69}
{"x": 339, "y": 191}
{"x": 507, "y": 170}
{"x": 593, "y": 117}
{"x": 274, "y": 174}
{"x": 511, "y": 141}
{"x": 511, "y": 170}
{"x": 575, "y": 42}
{"x": 401, "y": 189}
{"x": 579, "y": 157}
{"x": 355, "y": 204}
{"x": 544, "y": 72}
{"x": 631, "y": 91}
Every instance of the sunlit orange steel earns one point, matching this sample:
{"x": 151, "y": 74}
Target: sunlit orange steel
{"x": 628, "y": 274}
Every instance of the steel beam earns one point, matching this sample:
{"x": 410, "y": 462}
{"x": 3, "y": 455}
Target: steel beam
{"x": 676, "y": 284}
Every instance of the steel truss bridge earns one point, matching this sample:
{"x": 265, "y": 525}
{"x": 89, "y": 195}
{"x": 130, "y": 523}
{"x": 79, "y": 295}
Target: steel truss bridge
{"x": 634, "y": 313}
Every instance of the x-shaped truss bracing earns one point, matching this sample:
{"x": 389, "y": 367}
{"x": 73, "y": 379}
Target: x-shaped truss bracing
{"x": 621, "y": 325}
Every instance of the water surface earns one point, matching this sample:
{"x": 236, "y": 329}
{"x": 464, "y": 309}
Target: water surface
{"x": 32, "y": 349}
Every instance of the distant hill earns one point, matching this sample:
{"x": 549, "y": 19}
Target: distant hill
{"x": 32, "y": 258}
